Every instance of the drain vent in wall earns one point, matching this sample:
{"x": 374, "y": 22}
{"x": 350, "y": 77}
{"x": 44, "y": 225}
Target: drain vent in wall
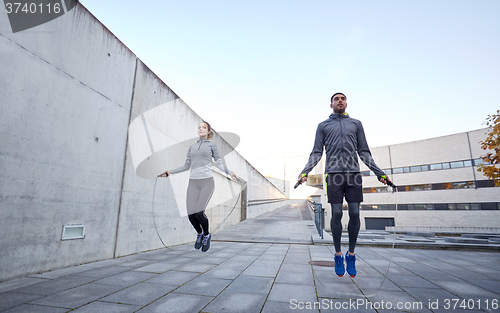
{"x": 73, "y": 232}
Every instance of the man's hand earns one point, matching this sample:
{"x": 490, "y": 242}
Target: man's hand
{"x": 383, "y": 181}
{"x": 234, "y": 176}
{"x": 302, "y": 178}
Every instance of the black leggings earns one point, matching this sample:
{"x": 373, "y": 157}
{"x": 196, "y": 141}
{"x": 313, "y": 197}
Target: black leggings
{"x": 352, "y": 228}
{"x": 199, "y": 193}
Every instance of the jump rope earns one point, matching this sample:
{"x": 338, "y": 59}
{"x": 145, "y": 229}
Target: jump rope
{"x": 394, "y": 190}
{"x": 154, "y": 218}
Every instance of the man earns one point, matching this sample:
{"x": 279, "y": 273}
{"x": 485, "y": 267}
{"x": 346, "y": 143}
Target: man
{"x": 344, "y": 139}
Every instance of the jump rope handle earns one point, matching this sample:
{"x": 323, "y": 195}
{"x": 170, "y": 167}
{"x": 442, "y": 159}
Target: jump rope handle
{"x": 394, "y": 188}
{"x": 299, "y": 182}
{"x": 160, "y": 175}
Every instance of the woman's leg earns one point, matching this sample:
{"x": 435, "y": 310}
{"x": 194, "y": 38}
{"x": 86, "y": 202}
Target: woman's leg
{"x": 207, "y": 187}
{"x": 191, "y": 200}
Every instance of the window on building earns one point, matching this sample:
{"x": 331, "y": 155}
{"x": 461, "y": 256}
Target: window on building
{"x": 436, "y": 167}
{"x": 365, "y": 173}
{"x": 445, "y": 166}
{"x": 406, "y": 169}
{"x": 457, "y": 164}
{"x": 468, "y": 163}
{"x": 397, "y": 170}
{"x": 388, "y": 171}
{"x": 489, "y": 206}
{"x": 451, "y": 206}
{"x": 420, "y": 206}
{"x": 441, "y": 206}
{"x": 415, "y": 168}
{"x": 463, "y": 206}
{"x": 421, "y": 187}
{"x": 479, "y": 161}
{"x": 485, "y": 183}
{"x": 424, "y": 168}
{"x": 463, "y": 185}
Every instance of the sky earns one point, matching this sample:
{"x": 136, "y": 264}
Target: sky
{"x": 265, "y": 70}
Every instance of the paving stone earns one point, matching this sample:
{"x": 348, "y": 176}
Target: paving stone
{"x": 198, "y": 267}
{"x": 346, "y": 305}
{"x": 237, "y": 302}
{"x": 273, "y": 307}
{"x": 78, "y": 296}
{"x": 20, "y": 283}
{"x": 12, "y": 299}
{"x": 177, "y": 303}
{"x": 204, "y": 286}
{"x": 29, "y": 308}
{"x": 125, "y": 279}
{"x": 101, "y": 272}
{"x": 288, "y": 292}
{"x": 396, "y": 299}
{"x": 465, "y": 289}
{"x": 140, "y": 294}
{"x": 222, "y": 272}
{"x": 158, "y": 268}
{"x": 55, "y": 285}
{"x": 173, "y": 278}
{"x": 100, "y": 307}
{"x": 251, "y": 284}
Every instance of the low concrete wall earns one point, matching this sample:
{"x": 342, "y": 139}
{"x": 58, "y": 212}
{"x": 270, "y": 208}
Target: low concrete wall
{"x": 69, "y": 91}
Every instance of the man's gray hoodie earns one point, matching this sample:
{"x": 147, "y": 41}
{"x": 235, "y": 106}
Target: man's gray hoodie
{"x": 199, "y": 159}
{"x": 344, "y": 139}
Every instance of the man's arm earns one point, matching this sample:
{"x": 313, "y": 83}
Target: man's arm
{"x": 366, "y": 156}
{"x": 316, "y": 153}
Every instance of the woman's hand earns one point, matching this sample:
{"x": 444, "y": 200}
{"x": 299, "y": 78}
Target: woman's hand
{"x": 234, "y": 176}
{"x": 165, "y": 174}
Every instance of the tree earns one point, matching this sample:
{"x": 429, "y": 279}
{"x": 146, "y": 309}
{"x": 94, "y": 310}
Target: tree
{"x": 492, "y": 143}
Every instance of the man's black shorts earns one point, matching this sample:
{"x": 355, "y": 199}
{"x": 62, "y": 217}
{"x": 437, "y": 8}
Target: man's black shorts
{"x": 339, "y": 185}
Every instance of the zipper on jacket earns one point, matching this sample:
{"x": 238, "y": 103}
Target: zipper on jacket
{"x": 200, "y": 144}
{"x": 341, "y": 142}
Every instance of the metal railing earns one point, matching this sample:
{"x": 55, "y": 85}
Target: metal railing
{"x": 319, "y": 216}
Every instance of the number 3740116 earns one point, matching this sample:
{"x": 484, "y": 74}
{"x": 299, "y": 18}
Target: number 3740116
{"x": 469, "y": 304}
{"x": 32, "y": 8}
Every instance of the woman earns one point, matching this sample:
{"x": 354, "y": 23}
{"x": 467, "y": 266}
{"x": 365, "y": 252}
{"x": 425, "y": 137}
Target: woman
{"x": 201, "y": 182}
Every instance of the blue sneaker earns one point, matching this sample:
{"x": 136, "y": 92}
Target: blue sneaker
{"x": 339, "y": 265}
{"x": 350, "y": 260}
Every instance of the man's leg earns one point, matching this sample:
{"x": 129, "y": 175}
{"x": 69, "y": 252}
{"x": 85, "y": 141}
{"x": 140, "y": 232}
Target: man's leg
{"x": 353, "y": 226}
{"x": 336, "y": 226}
{"x": 354, "y": 196}
{"x": 335, "y": 192}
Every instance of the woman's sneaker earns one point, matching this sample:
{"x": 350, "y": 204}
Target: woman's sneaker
{"x": 206, "y": 242}
{"x": 339, "y": 265}
{"x": 198, "y": 243}
{"x": 350, "y": 260}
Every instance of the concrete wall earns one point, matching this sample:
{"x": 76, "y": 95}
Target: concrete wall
{"x": 69, "y": 90}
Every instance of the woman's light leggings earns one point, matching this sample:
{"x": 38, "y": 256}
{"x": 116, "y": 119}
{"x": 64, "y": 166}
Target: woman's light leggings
{"x": 199, "y": 193}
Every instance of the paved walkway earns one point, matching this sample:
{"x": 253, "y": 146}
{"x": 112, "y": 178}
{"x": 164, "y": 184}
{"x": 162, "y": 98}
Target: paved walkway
{"x": 262, "y": 265}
